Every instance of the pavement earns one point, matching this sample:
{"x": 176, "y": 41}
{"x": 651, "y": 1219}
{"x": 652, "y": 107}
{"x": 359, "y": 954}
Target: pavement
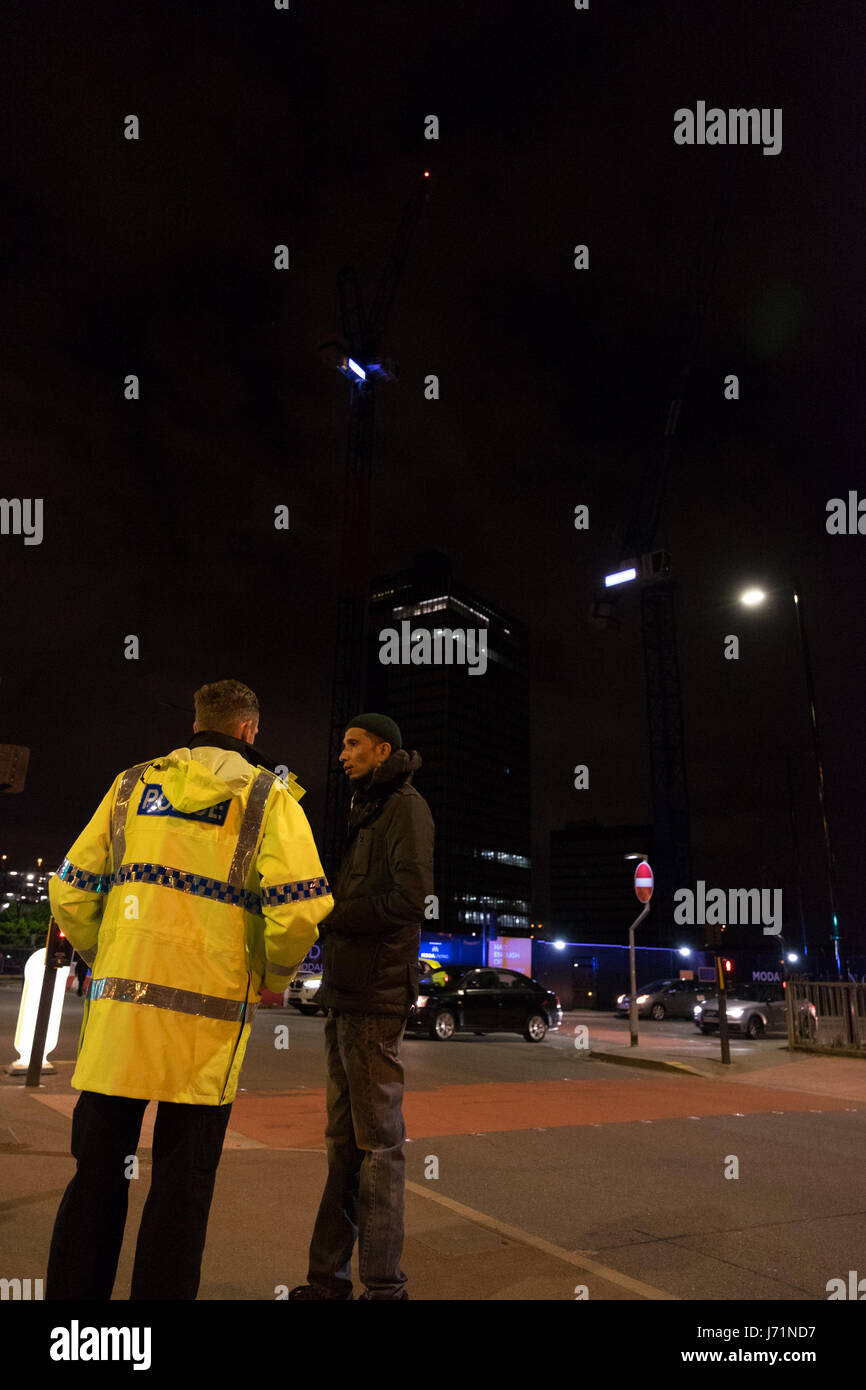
{"x": 768, "y": 1062}
{"x": 257, "y": 1245}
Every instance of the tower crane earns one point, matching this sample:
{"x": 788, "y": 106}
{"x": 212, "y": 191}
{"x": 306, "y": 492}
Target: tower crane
{"x": 358, "y": 357}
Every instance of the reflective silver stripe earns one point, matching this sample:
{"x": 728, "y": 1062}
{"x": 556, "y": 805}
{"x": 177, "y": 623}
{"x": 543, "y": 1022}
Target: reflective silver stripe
{"x": 249, "y": 832}
{"x": 118, "y": 814}
{"x": 272, "y": 969}
{"x": 164, "y": 876}
{"x": 83, "y": 879}
{"x": 301, "y": 889}
{"x": 182, "y": 1001}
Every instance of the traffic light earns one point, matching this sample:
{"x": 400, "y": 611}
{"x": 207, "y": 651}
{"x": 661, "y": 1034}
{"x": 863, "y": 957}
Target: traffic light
{"x": 58, "y": 947}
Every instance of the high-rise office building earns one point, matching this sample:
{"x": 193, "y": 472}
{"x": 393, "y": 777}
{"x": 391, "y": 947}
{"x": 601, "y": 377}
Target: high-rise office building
{"x": 459, "y": 689}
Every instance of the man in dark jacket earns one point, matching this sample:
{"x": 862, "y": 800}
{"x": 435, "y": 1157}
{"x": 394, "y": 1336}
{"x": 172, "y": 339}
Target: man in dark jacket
{"x": 370, "y": 946}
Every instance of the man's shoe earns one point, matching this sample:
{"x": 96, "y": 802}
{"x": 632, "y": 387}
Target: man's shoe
{"x": 310, "y": 1291}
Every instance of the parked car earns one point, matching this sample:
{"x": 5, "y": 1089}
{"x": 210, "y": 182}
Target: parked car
{"x": 752, "y": 1010}
{"x": 479, "y": 999}
{"x": 666, "y": 999}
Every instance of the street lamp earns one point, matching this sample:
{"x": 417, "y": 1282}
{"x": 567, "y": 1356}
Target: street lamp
{"x": 751, "y": 598}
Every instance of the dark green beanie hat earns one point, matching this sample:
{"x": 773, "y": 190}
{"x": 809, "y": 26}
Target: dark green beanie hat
{"x": 380, "y": 726}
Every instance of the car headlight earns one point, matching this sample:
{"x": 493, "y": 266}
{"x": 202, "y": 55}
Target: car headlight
{"x": 697, "y": 1009}
{"x": 420, "y": 1001}
{"x": 312, "y": 984}
{"x": 620, "y": 999}
{"x": 642, "y": 998}
{"x": 736, "y": 1013}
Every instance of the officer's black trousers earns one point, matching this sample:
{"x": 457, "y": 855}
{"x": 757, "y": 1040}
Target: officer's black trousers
{"x": 88, "y": 1231}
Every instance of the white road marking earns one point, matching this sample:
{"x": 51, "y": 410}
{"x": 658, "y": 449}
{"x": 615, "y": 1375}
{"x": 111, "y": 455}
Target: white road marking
{"x": 516, "y": 1233}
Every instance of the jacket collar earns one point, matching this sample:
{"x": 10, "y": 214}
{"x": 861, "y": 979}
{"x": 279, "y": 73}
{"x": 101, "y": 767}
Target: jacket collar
{"x": 394, "y": 771}
{"x": 211, "y": 738}
{"x": 374, "y": 790}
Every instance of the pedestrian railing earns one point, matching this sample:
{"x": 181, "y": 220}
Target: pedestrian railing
{"x": 827, "y": 1014}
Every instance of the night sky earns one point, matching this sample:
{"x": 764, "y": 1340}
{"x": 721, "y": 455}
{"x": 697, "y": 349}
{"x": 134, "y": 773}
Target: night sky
{"x": 306, "y": 127}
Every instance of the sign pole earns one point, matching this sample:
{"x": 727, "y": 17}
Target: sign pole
{"x": 713, "y": 942}
{"x": 58, "y": 953}
{"x": 643, "y": 887}
{"x": 632, "y": 1001}
{"x": 723, "y": 1011}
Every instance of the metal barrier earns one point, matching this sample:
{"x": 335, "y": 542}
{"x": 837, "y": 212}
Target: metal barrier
{"x": 827, "y": 1014}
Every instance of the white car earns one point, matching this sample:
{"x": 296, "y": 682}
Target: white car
{"x": 302, "y": 993}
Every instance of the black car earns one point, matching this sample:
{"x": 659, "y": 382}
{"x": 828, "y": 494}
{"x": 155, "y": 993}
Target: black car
{"x": 479, "y": 999}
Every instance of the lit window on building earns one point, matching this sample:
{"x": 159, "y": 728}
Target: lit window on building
{"x": 435, "y": 605}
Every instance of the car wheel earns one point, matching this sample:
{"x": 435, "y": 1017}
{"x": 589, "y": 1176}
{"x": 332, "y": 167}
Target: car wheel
{"x": 658, "y": 1012}
{"x": 754, "y": 1027}
{"x": 309, "y": 1009}
{"x": 444, "y": 1025}
{"x": 705, "y": 1028}
{"x": 536, "y": 1028}
{"x": 478, "y": 1032}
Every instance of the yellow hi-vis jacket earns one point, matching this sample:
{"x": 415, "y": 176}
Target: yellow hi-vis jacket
{"x": 196, "y": 881}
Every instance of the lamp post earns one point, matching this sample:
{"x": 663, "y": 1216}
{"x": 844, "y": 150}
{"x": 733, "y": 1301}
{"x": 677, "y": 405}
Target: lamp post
{"x": 796, "y": 845}
{"x": 751, "y": 598}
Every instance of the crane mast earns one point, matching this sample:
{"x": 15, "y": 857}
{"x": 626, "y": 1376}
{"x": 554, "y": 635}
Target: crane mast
{"x": 357, "y": 356}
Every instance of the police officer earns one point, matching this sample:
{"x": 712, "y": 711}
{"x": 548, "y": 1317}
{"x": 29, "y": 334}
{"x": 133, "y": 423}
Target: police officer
{"x": 196, "y": 882}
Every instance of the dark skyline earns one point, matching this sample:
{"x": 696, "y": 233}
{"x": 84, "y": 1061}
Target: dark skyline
{"x": 306, "y": 128}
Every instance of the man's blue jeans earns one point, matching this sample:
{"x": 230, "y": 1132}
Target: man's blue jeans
{"x": 364, "y": 1192}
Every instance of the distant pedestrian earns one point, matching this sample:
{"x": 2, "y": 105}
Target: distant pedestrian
{"x": 81, "y": 971}
{"x": 196, "y": 882}
{"x": 370, "y": 947}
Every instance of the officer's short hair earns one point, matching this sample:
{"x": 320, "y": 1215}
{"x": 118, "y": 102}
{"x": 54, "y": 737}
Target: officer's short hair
{"x": 224, "y": 704}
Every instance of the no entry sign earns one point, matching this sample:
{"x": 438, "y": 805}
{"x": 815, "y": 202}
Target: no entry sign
{"x": 643, "y": 882}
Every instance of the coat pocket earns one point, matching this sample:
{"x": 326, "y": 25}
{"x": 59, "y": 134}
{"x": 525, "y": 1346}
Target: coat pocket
{"x": 352, "y": 963}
